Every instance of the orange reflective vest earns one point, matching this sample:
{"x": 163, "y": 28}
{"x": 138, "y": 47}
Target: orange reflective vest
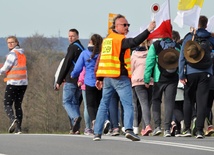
{"x": 19, "y": 71}
{"x": 109, "y": 64}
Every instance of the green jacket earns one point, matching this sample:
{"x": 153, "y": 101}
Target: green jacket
{"x": 152, "y": 68}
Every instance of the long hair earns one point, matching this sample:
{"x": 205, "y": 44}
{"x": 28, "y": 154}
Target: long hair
{"x": 15, "y": 39}
{"x": 96, "y": 40}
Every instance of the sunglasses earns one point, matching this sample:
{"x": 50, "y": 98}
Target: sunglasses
{"x": 125, "y": 25}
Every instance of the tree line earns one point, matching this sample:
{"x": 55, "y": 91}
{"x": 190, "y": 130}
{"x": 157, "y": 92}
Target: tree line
{"x": 43, "y": 111}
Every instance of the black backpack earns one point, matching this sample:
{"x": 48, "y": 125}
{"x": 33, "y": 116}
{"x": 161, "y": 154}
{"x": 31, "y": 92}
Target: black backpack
{"x": 207, "y": 60}
{"x": 161, "y": 45}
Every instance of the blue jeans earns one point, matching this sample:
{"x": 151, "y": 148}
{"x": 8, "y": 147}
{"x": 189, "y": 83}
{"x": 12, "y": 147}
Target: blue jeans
{"x": 70, "y": 100}
{"x": 114, "y": 111}
{"x": 122, "y": 85}
{"x": 86, "y": 115}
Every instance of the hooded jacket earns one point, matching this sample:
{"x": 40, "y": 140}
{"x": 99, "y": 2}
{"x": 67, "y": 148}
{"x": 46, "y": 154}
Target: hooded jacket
{"x": 83, "y": 60}
{"x": 138, "y": 63}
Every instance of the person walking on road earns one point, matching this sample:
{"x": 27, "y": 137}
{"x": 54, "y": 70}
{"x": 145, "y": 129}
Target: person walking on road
{"x": 114, "y": 73}
{"x": 16, "y": 78}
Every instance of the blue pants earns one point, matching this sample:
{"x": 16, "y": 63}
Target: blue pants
{"x": 122, "y": 85}
{"x": 71, "y": 100}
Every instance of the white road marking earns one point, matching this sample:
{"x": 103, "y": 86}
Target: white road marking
{"x": 164, "y": 143}
{"x": 181, "y": 145}
{"x": 188, "y": 146}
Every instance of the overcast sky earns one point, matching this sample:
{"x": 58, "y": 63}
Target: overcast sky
{"x": 24, "y": 18}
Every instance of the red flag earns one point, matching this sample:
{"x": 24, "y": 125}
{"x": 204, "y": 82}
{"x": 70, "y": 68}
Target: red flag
{"x": 163, "y": 23}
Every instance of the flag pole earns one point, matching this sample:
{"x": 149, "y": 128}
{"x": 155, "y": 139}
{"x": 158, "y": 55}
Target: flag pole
{"x": 169, "y": 9}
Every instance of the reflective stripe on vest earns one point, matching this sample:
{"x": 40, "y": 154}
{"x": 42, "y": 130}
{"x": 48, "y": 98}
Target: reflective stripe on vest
{"x": 109, "y": 64}
{"x": 19, "y": 71}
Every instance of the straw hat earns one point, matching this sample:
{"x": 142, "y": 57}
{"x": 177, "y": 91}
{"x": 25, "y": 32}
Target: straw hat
{"x": 168, "y": 58}
{"x": 193, "y": 52}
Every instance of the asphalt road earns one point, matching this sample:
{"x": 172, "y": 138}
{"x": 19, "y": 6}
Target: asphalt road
{"x": 62, "y": 144}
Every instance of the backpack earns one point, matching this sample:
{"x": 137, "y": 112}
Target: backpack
{"x": 207, "y": 60}
{"x": 161, "y": 45}
{"x": 80, "y": 48}
{"x": 60, "y": 66}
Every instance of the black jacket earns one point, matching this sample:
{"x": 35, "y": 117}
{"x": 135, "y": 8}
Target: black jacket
{"x": 130, "y": 43}
{"x": 71, "y": 57}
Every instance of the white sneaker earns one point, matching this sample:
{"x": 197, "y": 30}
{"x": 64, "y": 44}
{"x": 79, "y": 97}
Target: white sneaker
{"x": 106, "y": 127}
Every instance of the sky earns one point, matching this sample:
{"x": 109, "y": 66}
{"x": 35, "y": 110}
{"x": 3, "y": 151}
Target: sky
{"x": 53, "y": 18}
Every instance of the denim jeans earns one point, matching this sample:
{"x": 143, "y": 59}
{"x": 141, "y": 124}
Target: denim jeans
{"x": 122, "y": 85}
{"x": 71, "y": 100}
{"x": 114, "y": 111}
{"x": 86, "y": 115}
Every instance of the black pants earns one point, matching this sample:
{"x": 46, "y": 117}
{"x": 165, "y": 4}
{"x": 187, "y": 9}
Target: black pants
{"x": 178, "y": 111}
{"x": 196, "y": 90}
{"x": 169, "y": 90}
{"x": 93, "y": 97}
{"x": 209, "y": 114}
{"x": 14, "y": 94}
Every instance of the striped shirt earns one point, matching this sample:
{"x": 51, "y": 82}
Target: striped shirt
{"x": 11, "y": 60}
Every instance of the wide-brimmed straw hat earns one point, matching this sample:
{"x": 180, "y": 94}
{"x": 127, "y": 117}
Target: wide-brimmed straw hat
{"x": 193, "y": 52}
{"x": 168, "y": 58}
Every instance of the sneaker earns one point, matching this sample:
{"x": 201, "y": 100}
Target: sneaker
{"x": 210, "y": 131}
{"x": 18, "y": 131}
{"x": 76, "y": 125}
{"x": 194, "y": 129}
{"x": 109, "y": 132}
{"x": 172, "y": 130}
{"x": 199, "y": 135}
{"x": 74, "y": 133}
{"x": 88, "y": 132}
{"x": 177, "y": 133}
{"x": 157, "y": 131}
{"x": 186, "y": 133}
{"x": 147, "y": 131}
{"x": 97, "y": 137}
{"x": 142, "y": 131}
{"x": 115, "y": 132}
{"x": 12, "y": 126}
{"x": 167, "y": 133}
{"x": 106, "y": 127}
{"x": 130, "y": 135}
